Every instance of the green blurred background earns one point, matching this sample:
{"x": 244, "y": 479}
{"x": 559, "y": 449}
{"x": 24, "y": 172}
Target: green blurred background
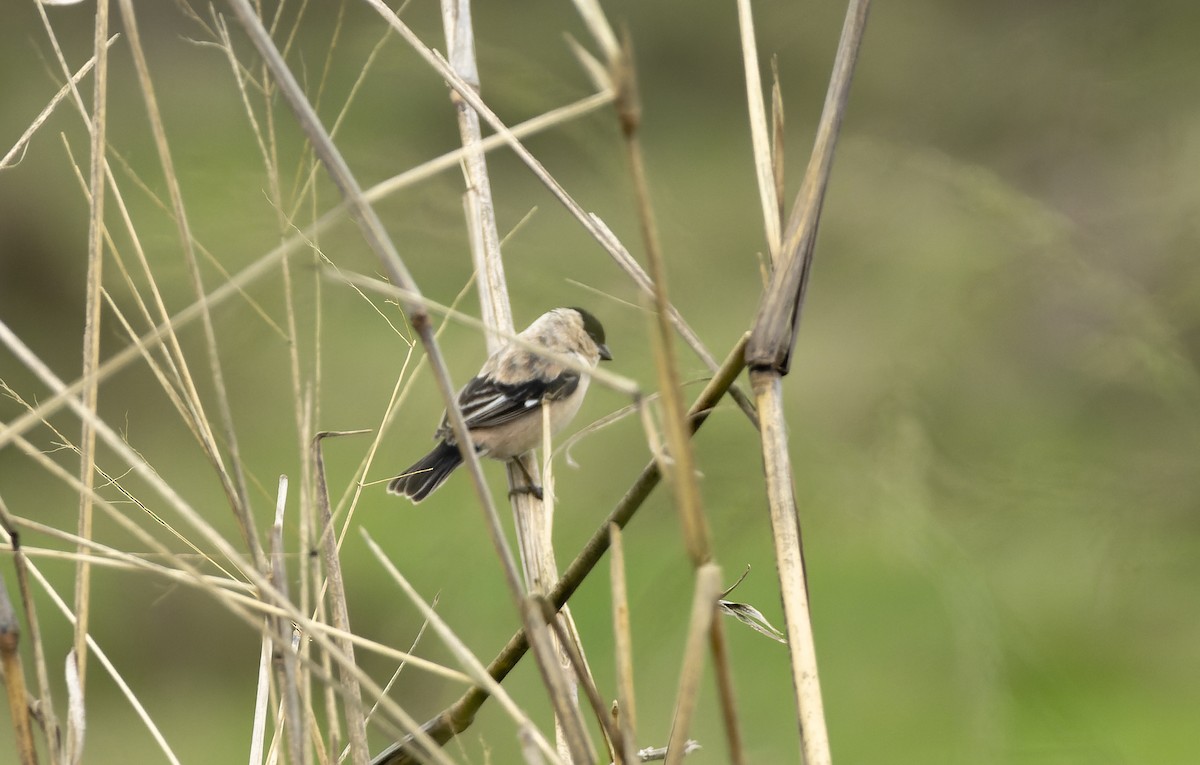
{"x": 994, "y": 404}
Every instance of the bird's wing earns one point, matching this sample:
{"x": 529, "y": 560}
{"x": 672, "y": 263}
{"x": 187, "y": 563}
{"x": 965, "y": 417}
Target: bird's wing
{"x": 486, "y": 403}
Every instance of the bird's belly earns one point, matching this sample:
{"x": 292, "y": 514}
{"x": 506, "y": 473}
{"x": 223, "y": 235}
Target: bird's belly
{"x": 526, "y": 433}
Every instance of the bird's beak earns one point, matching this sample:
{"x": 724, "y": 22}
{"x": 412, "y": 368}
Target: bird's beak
{"x": 605, "y": 353}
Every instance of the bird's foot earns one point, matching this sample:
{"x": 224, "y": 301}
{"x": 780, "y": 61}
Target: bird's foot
{"x": 527, "y": 489}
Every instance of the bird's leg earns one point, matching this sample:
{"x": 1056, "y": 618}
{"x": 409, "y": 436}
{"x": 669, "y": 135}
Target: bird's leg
{"x": 530, "y": 487}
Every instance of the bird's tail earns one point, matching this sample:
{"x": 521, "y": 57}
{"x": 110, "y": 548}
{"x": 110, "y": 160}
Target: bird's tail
{"x": 427, "y": 474}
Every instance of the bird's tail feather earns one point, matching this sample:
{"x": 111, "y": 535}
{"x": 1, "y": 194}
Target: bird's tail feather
{"x": 427, "y": 474}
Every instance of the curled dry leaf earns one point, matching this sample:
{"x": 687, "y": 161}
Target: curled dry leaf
{"x": 752, "y": 617}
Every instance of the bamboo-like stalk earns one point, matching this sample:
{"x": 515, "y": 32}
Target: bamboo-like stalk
{"x": 768, "y": 354}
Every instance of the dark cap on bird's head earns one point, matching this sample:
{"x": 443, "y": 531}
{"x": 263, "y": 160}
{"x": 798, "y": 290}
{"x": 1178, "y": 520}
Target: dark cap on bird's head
{"x": 595, "y": 330}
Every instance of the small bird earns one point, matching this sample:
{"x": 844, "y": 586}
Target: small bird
{"x": 502, "y": 405}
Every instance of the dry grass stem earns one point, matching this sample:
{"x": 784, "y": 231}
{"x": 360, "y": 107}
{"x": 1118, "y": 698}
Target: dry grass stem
{"x": 568, "y": 720}
{"x": 11, "y": 159}
{"x": 789, "y": 560}
{"x": 570, "y": 645}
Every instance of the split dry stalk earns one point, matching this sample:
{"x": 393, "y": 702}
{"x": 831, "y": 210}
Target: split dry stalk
{"x": 768, "y": 354}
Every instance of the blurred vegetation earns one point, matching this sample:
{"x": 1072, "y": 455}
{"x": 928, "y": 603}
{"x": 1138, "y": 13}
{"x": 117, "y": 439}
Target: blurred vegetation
{"x": 995, "y": 403}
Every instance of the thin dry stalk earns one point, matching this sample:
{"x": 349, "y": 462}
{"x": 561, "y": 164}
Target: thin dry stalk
{"x": 262, "y": 700}
{"x": 768, "y": 354}
{"x": 91, "y": 354}
{"x": 355, "y": 721}
{"x": 777, "y": 142}
{"x": 789, "y": 560}
{"x": 683, "y": 473}
{"x": 567, "y": 716}
{"x": 11, "y": 159}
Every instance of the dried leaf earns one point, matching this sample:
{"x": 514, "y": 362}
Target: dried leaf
{"x": 751, "y": 617}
